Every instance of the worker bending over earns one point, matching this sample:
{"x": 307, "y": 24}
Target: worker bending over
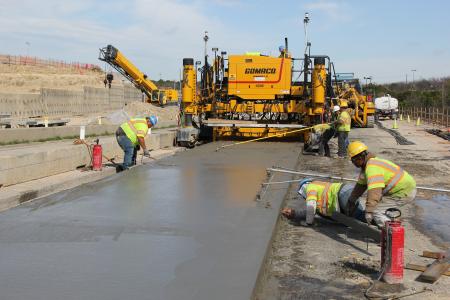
{"x": 343, "y": 124}
{"x": 387, "y": 184}
{"x": 324, "y": 198}
{"x": 131, "y": 135}
{"x": 324, "y": 133}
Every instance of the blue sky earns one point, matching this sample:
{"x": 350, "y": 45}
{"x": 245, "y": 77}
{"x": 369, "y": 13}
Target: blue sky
{"x": 382, "y": 39}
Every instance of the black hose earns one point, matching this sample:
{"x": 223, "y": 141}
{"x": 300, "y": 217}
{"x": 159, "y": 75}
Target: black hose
{"x": 401, "y": 140}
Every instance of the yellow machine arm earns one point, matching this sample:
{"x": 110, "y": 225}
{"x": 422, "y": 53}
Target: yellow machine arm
{"x": 118, "y": 61}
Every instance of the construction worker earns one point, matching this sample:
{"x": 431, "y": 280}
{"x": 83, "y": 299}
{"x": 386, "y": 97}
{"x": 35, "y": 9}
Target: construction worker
{"x": 131, "y": 135}
{"x": 343, "y": 124}
{"x": 387, "y": 184}
{"x": 324, "y": 198}
{"x": 324, "y": 132}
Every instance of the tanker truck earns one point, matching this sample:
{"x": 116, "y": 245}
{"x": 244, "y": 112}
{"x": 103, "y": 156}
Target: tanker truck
{"x": 386, "y": 107}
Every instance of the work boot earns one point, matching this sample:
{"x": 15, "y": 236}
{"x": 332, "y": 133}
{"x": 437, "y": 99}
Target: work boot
{"x": 120, "y": 168}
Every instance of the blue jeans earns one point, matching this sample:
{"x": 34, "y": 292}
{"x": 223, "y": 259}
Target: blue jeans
{"x": 344, "y": 195}
{"x": 342, "y": 143}
{"x": 130, "y": 151}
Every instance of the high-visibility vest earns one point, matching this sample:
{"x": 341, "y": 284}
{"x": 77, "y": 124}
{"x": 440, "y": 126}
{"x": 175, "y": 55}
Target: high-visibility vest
{"x": 325, "y": 194}
{"x": 384, "y": 174}
{"x": 135, "y": 128}
{"x": 345, "y": 121}
{"x": 320, "y": 128}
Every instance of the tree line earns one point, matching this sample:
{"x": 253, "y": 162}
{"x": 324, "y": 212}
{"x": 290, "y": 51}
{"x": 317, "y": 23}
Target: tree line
{"x": 433, "y": 92}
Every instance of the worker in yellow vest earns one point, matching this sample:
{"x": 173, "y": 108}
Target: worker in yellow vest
{"x": 131, "y": 135}
{"x": 387, "y": 184}
{"x": 343, "y": 124}
{"x": 324, "y": 133}
{"x": 324, "y": 198}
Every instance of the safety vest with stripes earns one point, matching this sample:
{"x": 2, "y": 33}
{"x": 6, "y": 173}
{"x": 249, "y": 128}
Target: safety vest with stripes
{"x": 135, "y": 128}
{"x": 384, "y": 174}
{"x": 345, "y": 121}
{"x": 320, "y": 128}
{"x": 325, "y": 194}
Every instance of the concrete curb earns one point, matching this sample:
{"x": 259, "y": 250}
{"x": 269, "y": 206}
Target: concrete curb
{"x": 23, "y": 163}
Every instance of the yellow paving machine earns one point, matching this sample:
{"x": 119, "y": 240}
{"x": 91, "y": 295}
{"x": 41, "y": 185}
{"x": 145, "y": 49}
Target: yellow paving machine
{"x": 361, "y": 107}
{"x": 118, "y": 61}
{"x": 253, "y": 95}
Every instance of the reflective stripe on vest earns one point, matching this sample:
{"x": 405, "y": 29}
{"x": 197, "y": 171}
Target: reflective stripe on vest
{"x": 131, "y": 124}
{"x": 323, "y": 201}
{"x": 397, "y": 175}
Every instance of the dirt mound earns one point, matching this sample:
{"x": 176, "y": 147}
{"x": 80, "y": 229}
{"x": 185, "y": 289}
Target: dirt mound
{"x": 28, "y": 78}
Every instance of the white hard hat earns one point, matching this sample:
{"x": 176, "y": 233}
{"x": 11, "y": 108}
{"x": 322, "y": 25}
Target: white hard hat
{"x": 336, "y": 108}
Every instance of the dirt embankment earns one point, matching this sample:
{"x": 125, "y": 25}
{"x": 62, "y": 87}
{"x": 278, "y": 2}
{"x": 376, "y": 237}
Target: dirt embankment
{"x": 29, "y": 79}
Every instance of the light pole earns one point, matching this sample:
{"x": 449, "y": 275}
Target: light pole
{"x": 413, "y": 86}
{"x": 370, "y": 80}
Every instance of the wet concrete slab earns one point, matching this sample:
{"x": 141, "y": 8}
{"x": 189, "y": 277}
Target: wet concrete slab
{"x": 186, "y": 227}
{"x": 435, "y": 217}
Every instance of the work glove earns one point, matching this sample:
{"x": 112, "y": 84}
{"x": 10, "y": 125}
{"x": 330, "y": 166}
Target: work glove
{"x": 146, "y": 153}
{"x": 369, "y": 218}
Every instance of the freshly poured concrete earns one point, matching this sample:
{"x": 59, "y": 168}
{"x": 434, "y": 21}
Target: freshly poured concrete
{"x": 187, "y": 227}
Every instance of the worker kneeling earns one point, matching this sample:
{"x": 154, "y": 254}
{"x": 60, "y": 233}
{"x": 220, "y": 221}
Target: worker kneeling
{"x": 387, "y": 184}
{"x": 324, "y": 198}
{"x": 131, "y": 135}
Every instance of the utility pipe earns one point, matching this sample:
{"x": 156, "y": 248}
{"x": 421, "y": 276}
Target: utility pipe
{"x": 335, "y": 177}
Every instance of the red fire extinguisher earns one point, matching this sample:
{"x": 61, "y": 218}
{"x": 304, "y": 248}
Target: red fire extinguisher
{"x": 392, "y": 247}
{"x": 97, "y": 157}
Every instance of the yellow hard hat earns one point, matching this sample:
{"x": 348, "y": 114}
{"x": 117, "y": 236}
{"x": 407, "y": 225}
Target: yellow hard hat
{"x": 343, "y": 103}
{"x": 355, "y": 148}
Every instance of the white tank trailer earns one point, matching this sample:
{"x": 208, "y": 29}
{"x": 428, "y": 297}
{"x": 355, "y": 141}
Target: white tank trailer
{"x": 386, "y": 107}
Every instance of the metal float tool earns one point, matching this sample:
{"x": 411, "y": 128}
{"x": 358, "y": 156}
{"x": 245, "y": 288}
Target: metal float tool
{"x": 333, "y": 177}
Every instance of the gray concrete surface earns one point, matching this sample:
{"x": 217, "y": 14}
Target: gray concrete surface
{"x": 14, "y": 195}
{"x": 187, "y": 227}
{"x": 21, "y": 163}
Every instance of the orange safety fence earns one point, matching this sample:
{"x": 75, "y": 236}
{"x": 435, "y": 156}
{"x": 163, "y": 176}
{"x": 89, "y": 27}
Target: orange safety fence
{"x": 35, "y": 61}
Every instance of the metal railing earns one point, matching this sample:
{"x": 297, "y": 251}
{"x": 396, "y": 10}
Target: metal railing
{"x": 431, "y": 115}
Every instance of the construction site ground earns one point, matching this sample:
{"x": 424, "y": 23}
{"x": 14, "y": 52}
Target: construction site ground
{"x": 327, "y": 261}
{"x": 260, "y": 255}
